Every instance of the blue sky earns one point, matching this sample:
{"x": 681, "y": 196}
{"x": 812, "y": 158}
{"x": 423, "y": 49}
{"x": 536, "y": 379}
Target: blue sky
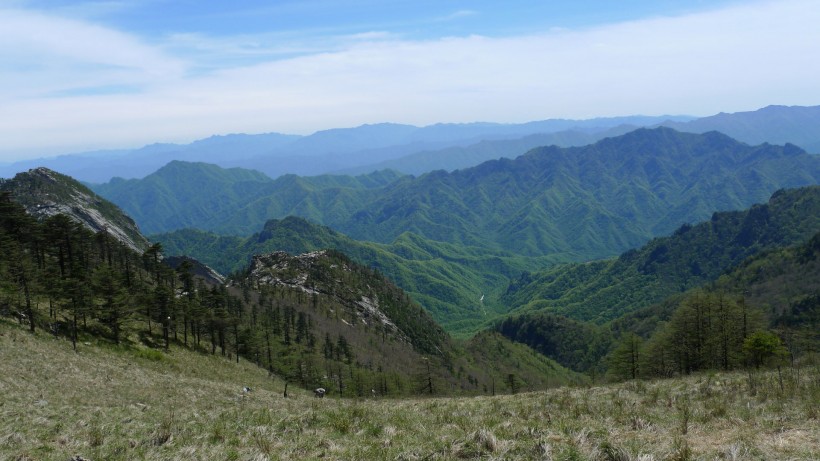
{"x": 78, "y": 75}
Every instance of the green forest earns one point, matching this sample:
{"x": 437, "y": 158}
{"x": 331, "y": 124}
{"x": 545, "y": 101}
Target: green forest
{"x": 765, "y": 312}
{"x": 436, "y": 314}
{"x": 448, "y": 238}
{"x": 87, "y": 287}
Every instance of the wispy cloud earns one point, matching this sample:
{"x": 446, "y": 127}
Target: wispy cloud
{"x": 44, "y": 54}
{"x": 458, "y": 15}
{"x": 736, "y": 58}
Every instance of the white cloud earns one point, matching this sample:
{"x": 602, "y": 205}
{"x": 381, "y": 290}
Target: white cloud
{"x": 31, "y": 41}
{"x": 737, "y": 58}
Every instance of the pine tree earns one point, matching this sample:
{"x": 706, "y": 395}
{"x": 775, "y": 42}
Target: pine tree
{"x": 114, "y": 310}
{"x": 624, "y": 362}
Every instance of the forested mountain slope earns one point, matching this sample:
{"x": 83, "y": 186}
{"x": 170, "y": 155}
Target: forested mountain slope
{"x": 672, "y": 301}
{"x": 182, "y": 194}
{"x": 575, "y": 204}
{"x": 448, "y": 280}
{"x": 600, "y": 291}
{"x": 315, "y": 320}
{"x": 589, "y": 202}
{"x": 766, "y": 311}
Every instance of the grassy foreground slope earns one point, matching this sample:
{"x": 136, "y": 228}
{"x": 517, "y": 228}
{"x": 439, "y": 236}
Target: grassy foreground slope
{"x": 116, "y": 404}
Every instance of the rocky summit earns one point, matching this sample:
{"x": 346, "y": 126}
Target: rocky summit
{"x": 45, "y": 193}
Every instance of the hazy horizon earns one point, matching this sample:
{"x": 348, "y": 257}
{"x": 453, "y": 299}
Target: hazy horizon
{"x": 87, "y": 76}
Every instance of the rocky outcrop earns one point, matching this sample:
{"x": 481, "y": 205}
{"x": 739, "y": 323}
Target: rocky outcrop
{"x": 46, "y": 193}
{"x": 320, "y": 273}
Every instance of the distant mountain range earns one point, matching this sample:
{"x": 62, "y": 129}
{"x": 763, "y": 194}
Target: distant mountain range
{"x": 574, "y": 203}
{"x": 417, "y": 150}
{"x": 344, "y": 149}
{"x": 773, "y": 124}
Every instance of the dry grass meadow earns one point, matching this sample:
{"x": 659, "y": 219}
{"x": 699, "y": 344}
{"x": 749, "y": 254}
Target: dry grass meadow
{"x": 104, "y": 403}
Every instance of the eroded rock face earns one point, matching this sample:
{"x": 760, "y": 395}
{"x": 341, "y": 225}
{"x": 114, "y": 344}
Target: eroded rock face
{"x": 280, "y": 268}
{"x": 320, "y": 274}
{"x": 45, "y": 193}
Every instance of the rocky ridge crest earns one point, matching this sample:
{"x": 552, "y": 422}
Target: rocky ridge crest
{"x": 45, "y": 193}
{"x": 319, "y": 273}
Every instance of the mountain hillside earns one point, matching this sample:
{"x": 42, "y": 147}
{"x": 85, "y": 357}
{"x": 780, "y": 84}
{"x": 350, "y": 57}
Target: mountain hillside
{"x": 45, "y": 193}
{"x": 448, "y": 280}
{"x": 183, "y": 194}
{"x": 693, "y": 255}
{"x": 681, "y": 303}
{"x": 382, "y": 326}
{"x": 316, "y": 319}
{"x": 127, "y": 404}
{"x": 773, "y": 298}
{"x": 586, "y": 202}
{"x": 575, "y": 203}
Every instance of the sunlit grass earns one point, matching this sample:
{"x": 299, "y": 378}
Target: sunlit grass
{"x": 121, "y": 404}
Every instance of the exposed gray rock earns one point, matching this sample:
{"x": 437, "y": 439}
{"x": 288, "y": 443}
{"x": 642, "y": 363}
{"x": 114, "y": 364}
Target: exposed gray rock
{"x": 45, "y": 193}
{"x": 302, "y": 273}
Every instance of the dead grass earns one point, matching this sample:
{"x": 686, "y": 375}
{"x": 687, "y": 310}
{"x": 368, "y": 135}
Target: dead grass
{"x": 104, "y": 403}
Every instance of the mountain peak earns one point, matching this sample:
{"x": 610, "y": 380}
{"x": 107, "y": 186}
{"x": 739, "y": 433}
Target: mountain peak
{"x": 326, "y": 273}
{"x": 45, "y": 193}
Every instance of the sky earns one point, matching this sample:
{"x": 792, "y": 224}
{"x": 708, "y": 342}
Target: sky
{"x": 88, "y": 75}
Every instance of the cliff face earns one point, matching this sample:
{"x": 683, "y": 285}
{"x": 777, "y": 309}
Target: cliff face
{"x": 46, "y": 193}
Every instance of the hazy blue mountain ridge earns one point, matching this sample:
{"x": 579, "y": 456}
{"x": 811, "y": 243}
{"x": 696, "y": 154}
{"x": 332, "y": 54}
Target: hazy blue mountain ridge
{"x": 102, "y": 166}
{"x": 415, "y": 150}
{"x": 322, "y": 152}
{"x": 773, "y": 124}
{"x": 456, "y": 157}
